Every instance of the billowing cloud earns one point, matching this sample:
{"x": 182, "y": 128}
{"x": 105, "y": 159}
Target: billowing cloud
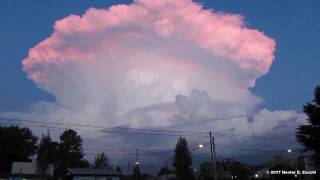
{"x": 130, "y": 56}
{"x": 155, "y": 63}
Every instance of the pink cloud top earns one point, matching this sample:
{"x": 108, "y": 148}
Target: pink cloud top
{"x": 130, "y": 27}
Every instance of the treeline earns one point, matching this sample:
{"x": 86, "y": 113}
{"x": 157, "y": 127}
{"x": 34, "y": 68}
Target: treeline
{"x": 19, "y": 144}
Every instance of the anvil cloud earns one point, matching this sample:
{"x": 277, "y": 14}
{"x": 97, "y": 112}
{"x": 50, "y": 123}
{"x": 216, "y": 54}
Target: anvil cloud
{"x": 154, "y": 63}
{"x": 148, "y": 52}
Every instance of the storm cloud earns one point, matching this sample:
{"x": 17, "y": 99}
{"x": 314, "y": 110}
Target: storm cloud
{"x": 155, "y": 63}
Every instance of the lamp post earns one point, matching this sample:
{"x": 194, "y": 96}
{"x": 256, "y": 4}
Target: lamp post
{"x": 137, "y": 166}
{"x": 213, "y": 155}
{"x": 200, "y": 146}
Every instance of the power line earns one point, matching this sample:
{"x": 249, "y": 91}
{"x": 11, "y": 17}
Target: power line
{"x": 143, "y": 131}
{"x": 152, "y": 153}
{"x": 140, "y": 133}
{"x": 256, "y": 138}
{"x": 101, "y": 126}
{"x": 132, "y": 154}
{"x": 113, "y": 129}
{"x": 253, "y": 150}
{"x": 232, "y": 148}
{"x": 172, "y": 151}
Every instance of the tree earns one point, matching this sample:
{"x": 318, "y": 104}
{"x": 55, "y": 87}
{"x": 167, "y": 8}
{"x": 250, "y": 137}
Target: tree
{"x": 309, "y": 134}
{"x": 84, "y": 164}
{"x": 118, "y": 169}
{"x": 102, "y": 161}
{"x": 47, "y": 154}
{"x": 16, "y": 144}
{"x": 183, "y": 161}
{"x": 70, "y": 152}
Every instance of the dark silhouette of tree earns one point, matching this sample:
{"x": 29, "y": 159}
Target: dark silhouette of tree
{"x": 16, "y": 144}
{"x": 309, "y": 134}
{"x": 84, "y": 164}
{"x": 183, "y": 161}
{"x": 118, "y": 169}
{"x": 102, "y": 161}
{"x": 47, "y": 154}
{"x": 70, "y": 152}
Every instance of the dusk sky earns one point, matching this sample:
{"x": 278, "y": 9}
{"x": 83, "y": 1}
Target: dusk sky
{"x": 157, "y": 65}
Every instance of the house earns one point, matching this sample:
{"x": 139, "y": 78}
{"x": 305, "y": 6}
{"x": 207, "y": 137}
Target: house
{"x": 27, "y": 170}
{"x": 92, "y": 174}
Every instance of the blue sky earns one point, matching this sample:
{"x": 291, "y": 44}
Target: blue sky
{"x": 293, "y": 24}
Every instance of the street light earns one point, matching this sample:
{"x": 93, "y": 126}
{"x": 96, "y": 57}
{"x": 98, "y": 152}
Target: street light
{"x": 137, "y": 163}
{"x": 213, "y": 154}
{"x": 256, "y": 175}
{"x": 200, "y": 146}
{"x": 289, "y": 150}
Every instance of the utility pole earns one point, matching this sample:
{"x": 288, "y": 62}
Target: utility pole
{"x": 167, "y": 169}
{"x": 215, "y": 159}
{"x": 213, "y": 156}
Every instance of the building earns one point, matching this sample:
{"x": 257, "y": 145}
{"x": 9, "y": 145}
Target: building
{"x": 28, "y": 170}
{"x": 207, "y": 172}
{"x": 92, "y": 174}
{"x": 226, "y": 169}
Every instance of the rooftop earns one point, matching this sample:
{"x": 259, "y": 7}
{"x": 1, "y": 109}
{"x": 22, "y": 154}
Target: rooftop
{"x": 91, "y": 171}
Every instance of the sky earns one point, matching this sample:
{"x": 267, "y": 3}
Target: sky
{"x": 268, "y": 82}
{"x": 288, "y": 85}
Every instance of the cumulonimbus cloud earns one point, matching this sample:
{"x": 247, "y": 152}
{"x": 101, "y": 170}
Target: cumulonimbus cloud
{"x": 147, "y": 52}
{"x": 153, "y": 63}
